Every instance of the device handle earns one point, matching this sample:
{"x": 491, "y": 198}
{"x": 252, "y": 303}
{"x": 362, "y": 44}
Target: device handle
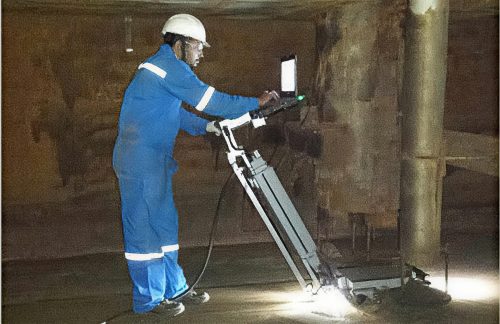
{"x": 273, "y": 109}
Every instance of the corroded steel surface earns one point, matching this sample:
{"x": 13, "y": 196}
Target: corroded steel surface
{"x": 423, "y": 98}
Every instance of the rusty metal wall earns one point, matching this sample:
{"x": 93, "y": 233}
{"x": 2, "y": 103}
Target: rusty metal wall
{"x": 63, "y": 79}
{"x": 356, "y": 92}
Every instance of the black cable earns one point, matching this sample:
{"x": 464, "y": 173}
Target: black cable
{"x": 214, "y": 224}
{"x": 128, "y": 311}
{"x": 211, "y": 242}
{"x": 207, "y": 258}
{"x": 305, "y": 117}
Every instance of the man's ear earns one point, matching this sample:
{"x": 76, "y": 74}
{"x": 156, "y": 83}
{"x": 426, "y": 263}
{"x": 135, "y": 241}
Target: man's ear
{"x": 177, "y": 48}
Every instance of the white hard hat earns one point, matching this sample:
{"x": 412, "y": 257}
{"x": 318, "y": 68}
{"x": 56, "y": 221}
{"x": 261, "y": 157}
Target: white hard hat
{"x": 186, "y": 25}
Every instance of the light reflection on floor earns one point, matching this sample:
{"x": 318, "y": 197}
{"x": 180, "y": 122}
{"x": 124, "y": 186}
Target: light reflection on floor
{"x": 329, "y": 304}
{"x": 465, "y": 287}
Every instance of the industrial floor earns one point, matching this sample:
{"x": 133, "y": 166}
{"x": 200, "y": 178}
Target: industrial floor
{"x": 247, "y": 284}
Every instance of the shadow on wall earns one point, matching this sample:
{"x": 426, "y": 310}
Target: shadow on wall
{"x": 83, "y": 134}
{"x": 328, "y": 34}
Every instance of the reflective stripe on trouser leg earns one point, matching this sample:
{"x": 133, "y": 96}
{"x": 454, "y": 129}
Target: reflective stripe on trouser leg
{"x": 150, "y": 226}
{"x": 148, "y": 278}
{"x": 149, "y": 216}
{"x": 174, "y": 276}
{"x": 142, "y": 247}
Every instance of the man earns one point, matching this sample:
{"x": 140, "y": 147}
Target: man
{"x": 150, "y": 118}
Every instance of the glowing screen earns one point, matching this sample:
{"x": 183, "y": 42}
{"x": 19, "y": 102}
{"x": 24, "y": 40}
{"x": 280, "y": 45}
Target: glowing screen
{"x": 289, "y": 75}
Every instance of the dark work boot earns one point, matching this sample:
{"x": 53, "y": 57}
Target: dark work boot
{"x": 193, "y": 298}
{"x": 169, "y": 308}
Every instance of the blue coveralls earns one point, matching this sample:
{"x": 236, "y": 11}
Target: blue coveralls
{"x": 150, "y": 118}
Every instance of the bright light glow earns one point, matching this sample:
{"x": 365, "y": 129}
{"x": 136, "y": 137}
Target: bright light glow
{"x": 128, "y": 34}
{"x": 326, "y": 303}
{"x": 332, "y": 302}
{"x": 420, "y": 7}
{"x": 463, "y": 288}
{"x": 302, "y": 307}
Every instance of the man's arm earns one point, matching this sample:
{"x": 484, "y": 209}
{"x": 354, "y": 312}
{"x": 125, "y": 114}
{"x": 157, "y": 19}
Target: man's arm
{"x": 192, "y": 124}
{"x": 183, "y": 83}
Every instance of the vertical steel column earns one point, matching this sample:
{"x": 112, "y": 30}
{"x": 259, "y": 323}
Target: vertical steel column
{"x": 422, "y": 104}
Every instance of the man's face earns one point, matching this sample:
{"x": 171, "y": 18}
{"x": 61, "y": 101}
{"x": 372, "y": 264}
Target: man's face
{"x": 194, "y": 52}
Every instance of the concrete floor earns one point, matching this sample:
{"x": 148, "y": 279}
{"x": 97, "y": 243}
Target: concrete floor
{"x": 247, "y": 284}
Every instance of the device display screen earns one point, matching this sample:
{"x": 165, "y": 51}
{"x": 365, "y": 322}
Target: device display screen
{"x": 289, "y": 76}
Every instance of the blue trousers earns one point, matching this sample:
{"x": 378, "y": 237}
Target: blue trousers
{"x": 155, "y": 280}
{"x": 150, "y": 228}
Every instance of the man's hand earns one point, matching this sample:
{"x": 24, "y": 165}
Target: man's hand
{"x": 213, "y": 128}
{"x": 268, "y": 96}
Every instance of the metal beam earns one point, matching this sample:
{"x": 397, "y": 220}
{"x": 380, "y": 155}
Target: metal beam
{"x": 474, "y": 152}
{"x": 422, "y": 104}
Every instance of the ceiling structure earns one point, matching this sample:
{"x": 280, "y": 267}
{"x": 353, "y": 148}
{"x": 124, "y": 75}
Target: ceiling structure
{"x": 236, "y": 9}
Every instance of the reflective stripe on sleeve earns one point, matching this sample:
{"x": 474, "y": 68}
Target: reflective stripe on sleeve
{"x": 205, "y": 99}
{"x": 153, "y": 68}
{"x": 170, "y": 248}
{"x": 142, "y": 256}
